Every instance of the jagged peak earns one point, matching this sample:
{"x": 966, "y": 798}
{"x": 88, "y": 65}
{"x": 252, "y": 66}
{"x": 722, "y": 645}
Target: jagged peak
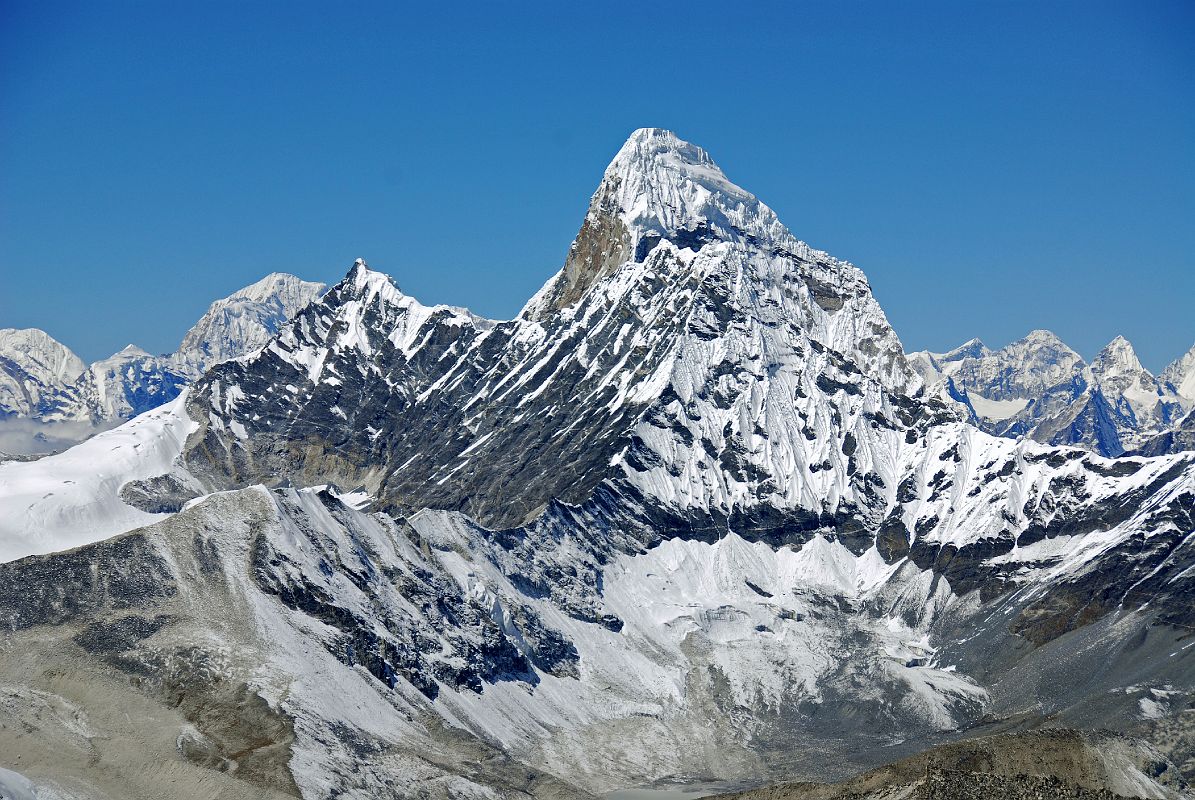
{"x": 1119, "y": 346}
{"x": 972, "y": 348}
{"x": 367, "y": 285}
{"x": 371, "y": 283}
{"x": 1117, "y": 358}
{"x": 664, "y": 184}
{"x": 648, "y": 150}
{"x": 661, "y": 187}
{"x": 130, "y": 351}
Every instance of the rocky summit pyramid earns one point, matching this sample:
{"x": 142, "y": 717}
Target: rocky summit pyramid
{"x": 691, "y": 515}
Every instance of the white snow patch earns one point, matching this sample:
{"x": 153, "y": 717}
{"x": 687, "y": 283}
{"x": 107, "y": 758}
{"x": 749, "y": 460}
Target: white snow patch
{"x": 73, "y": 498}
{"x": 996, "y": 410}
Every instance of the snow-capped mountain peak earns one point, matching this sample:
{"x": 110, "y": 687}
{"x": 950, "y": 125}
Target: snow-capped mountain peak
{"x": 1118, "y": 359}
{"x": 1181, "y": 375}
{"x": 1028, "y": 366}
{"x": 693, "y": 495}
{"x": 665, "y": 184}
{"x": 34, "y": 347}
{"x": 277, "y": 287}
{"x": 973, "y": 348}
{"x": 659, "y": 187}
{"x": 33, "y": 365}
{"x": 130, "y": 351}
{"x": 1143, "y": 404}
{"x": 685, "y": 313}
{"x": 1043, "y": 336}
{"x": 243, "y": 321}
{"x": 370, "y": 284}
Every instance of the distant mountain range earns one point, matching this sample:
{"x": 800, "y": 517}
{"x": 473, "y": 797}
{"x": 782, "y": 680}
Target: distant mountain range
{"x": 1040, "y": 388}
{"x": 41, "y": 380}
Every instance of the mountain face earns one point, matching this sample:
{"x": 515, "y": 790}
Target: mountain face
{"x": 33, "y": 366}
{"x": 42, "y": 381}
{"x": 691, "y": 515}
{"x": 736, "y": 320}
{"x": 1180, "y": 438}
{"x": 1039, "y": 387}
{"x": 1180, "y": 376}
{"x": 118, "y": 387}
{"x": 243, "y": 322}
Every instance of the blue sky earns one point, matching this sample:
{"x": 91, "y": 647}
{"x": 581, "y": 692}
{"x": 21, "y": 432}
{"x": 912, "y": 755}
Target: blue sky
{"x": 993, "y": 167}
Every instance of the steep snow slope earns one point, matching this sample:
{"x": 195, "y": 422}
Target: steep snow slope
{"x": 73, "y": 498}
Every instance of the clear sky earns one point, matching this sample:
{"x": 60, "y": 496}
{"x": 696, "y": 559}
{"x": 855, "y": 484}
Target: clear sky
{"x": 993, "y": 167}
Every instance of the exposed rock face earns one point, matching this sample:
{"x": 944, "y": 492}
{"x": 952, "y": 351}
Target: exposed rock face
{"x": 601, "y": 247}
{"x": 691, "y": 513}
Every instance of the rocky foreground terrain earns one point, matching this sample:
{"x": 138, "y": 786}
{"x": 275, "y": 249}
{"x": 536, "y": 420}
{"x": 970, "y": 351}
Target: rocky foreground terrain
{"x": 1036, "y": 765}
